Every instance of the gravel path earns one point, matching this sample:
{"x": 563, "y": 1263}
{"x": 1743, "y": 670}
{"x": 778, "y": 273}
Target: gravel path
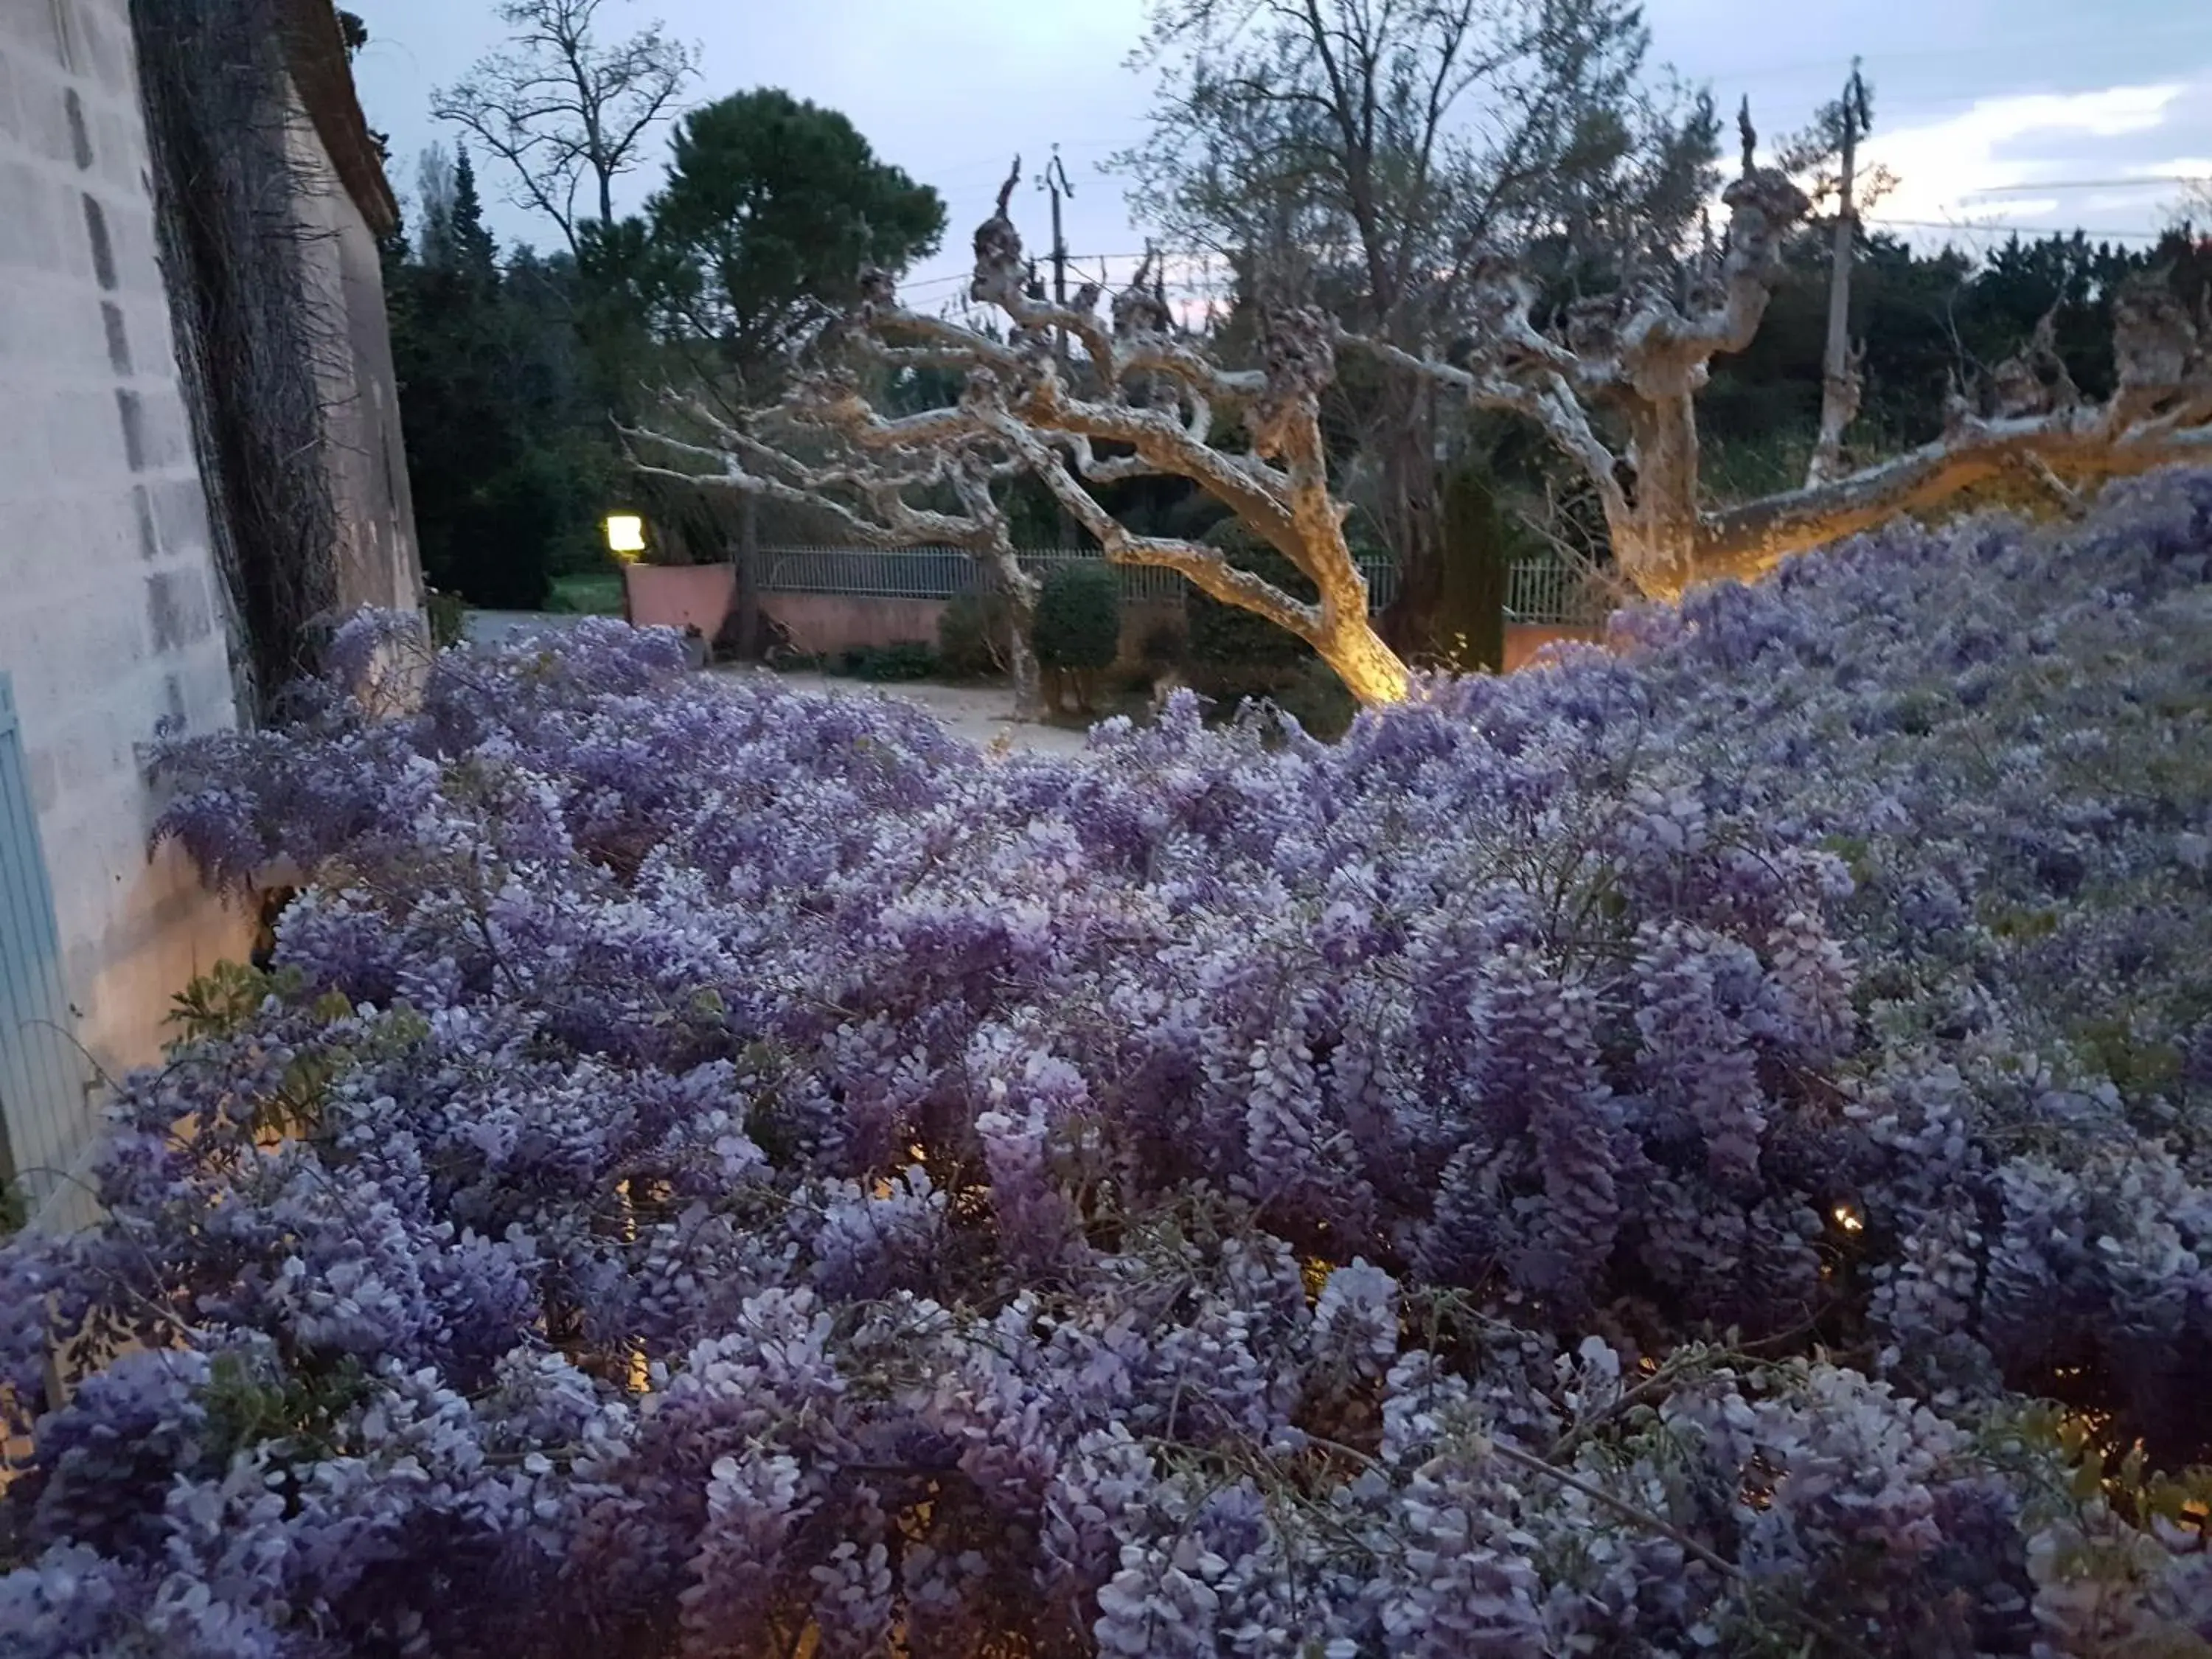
{"x": 505, "y": 627}
{"x": 982, "y": 715}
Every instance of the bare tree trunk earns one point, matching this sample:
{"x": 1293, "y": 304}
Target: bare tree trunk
{"x": 1839, "y": 381}
{"x": 1028, "y": 677}
{"x": 1019, "y": 590}
{"x": 748, "y": 583}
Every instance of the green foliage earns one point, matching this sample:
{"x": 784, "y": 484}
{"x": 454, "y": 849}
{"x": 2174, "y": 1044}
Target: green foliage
{"x": 250, "y": 1403}
{"x": 971, "y": 636}
{"x": 1079, "y": 617}
{"x": 225, "y": 1000}
{"x": 1165, "y": 646}
{"x": 588, "y": 593}
{"x": 506, "y": 529}
{"x": 904, "y": 660}
{"x": 1477, "y": 551}
{"x": 508, "y": 377}
{"x": 1924, "y": 319}
{"x": 1241, "y": 653}
{"x": 448, "y": 618}
{"x": 773, "y": 205}
{"x": 221, "y": 1001}
{"x": 1316, "y": 699}
{"x": 509, "y": 452}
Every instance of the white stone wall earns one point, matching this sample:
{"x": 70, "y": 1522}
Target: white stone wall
{"x": 111, "y": 614}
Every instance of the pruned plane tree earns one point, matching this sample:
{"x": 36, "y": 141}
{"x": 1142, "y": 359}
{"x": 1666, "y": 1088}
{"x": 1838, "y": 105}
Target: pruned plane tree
{"x": 1077, "y": 400}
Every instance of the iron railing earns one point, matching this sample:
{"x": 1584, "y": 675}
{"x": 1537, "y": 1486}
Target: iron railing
{"x": 1539, "y": 591}
{"x": 946, "y": 572}
{"x": 1536, "y": 590}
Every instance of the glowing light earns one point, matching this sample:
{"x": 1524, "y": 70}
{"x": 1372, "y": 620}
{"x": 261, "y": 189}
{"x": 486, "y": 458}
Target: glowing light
{"x": 1848, "y": 1219}
{"x": 625, "y": 535}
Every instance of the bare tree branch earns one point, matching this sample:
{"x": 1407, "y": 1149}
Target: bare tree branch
{"x": 1015, "y": 415}
{"x": 1142, "y": 403}
{"x": 564, "y": 110}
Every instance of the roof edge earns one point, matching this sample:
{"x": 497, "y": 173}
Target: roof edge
{"x": 315, "y": 54}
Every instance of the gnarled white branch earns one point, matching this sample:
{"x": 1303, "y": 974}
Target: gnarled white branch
{"x": 1141, "y": 404}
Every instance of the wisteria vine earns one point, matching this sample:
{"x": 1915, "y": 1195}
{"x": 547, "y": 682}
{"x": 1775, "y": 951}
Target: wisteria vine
{"x": 1700, "y": 1148}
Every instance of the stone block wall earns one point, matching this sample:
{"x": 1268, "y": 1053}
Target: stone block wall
{"x": 111, "y": 625}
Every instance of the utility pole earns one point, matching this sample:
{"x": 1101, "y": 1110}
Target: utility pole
{"x": 1839, "y": 383}
{"x": 1055, "y": 179}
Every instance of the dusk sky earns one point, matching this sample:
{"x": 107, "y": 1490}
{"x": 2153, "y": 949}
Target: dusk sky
{"x": 2034, "y": 113}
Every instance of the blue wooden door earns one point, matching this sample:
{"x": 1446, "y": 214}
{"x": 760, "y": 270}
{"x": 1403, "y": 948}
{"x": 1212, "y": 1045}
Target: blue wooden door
{"x": 42, "y": 1072}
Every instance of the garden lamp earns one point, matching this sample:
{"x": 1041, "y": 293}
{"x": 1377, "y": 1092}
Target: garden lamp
{"x": 625, "y": 535}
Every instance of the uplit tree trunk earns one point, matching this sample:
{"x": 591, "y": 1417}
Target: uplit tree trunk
{"x": 1643, "y": 357}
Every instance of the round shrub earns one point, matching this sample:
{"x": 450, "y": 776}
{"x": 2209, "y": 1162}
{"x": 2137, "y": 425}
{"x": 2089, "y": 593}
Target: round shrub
{"x": 448, "y": 616}
{"x": 1079, "y": 617}
{"x": 1238, "y": 649}
{"x": 901, "y": 659}
{"x": 1165, "y": 646}
{"x": 971, "y": 636}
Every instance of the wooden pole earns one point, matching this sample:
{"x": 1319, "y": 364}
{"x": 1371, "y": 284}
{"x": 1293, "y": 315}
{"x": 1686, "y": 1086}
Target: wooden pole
{"x": 1838, "y": 385}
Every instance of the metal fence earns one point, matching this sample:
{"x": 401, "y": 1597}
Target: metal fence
{"x": 946, "y": 573}
{"x": 1538, "y": 591}
{"x": 45, "y": 1123}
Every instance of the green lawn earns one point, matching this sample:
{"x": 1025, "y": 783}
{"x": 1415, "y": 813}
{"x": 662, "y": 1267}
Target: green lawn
{"x": 593, "y": 593}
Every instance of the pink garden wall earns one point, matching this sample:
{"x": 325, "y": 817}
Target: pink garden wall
{"x": 823, "y": 624}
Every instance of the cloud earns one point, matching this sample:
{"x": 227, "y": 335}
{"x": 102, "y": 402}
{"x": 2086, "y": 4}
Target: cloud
{"x": 1969, "y": 93}
{"x": 1968, "y": 169}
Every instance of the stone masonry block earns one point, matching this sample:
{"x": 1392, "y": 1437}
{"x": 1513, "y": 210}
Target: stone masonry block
{"x": 177, "y": 611}
{"x": 11, "y": 116}
{"x": 180, "y": 521}
{"x": 42, "y": 108}
{"x": 28, "y": 203}
{"x": 28, "y": 27}
{"x": 168, "y": 432}
{"x": 106, "y": 34}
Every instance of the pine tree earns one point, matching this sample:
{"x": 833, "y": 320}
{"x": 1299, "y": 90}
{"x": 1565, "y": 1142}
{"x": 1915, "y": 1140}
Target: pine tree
{"x": 474, "y": 255}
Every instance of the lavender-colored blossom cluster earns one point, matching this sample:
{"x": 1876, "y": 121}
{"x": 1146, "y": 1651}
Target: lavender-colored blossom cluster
{"x": 1700, "y": 1149}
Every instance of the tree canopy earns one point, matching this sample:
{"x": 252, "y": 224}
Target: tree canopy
{"x": 513, "y": 367}
{"x": 1369, "y": 159}
{"x": 772, "y": 208}
{"x": 505, "y": 460}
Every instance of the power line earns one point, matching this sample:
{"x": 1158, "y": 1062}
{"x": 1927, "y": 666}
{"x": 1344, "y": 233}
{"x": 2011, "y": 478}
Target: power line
{"x": 2141, "y": 180}
{"x": 1221, "y": 283}
{"x": 937, "y": 281}
{"x": 1967, "y": 229}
